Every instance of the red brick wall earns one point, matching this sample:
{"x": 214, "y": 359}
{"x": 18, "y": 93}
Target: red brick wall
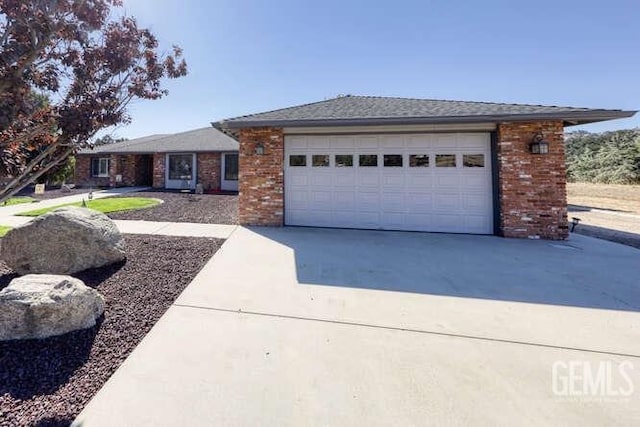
{"x": 158, "y": 170}
{"x": 261, "y": 184}
{"x": 125, "y": 165}
{"x": 82, "y": 173}
{"x": 533, "y": 198}
{"x": 209, "y": 170}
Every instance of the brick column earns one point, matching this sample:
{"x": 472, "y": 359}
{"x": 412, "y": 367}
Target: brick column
{"x": 261, "y": 185}
{"x": 209, "y": 170}
{"x": 158, "y": 170}
{"x": 533, "y": 197}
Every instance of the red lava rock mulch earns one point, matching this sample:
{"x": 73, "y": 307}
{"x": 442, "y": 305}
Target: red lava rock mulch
{"x": 179, "y": 207}
{"x": 48, "y": 382}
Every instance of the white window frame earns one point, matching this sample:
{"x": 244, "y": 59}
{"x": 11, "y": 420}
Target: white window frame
{"x": 102, "y": 161}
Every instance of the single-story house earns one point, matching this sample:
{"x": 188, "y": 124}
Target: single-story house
{"x": 179, "y": 161}
{"x": 409, "y": 164}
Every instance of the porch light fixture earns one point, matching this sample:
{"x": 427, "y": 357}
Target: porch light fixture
{"x": 539, "y": 145}
{"x": 259, "y": 149}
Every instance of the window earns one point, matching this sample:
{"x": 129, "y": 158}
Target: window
{"x": 393, "y": 160}
{"x": 419, "y": 161}
{"x": 230, "y": 167}
{"x": 320, "y": 160}
{"x": 298, "y": 160}
{"x": 180, "y": 167}
{"x": 368, "y": 160}
{"x": 100, "y": 167}
{"x": 344, "y": 160}
{"x": 445, "y": 160}
{"x": 473, "y": 160}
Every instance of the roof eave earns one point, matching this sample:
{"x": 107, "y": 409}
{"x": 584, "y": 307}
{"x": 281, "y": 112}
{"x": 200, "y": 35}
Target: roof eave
{"x": 571, "y": 118}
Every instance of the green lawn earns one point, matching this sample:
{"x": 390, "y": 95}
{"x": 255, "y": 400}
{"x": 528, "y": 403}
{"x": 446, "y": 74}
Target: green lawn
{"x": 18, "y": 200}
{"x": 114, "y": 204}
{"x": 4, "y": 230}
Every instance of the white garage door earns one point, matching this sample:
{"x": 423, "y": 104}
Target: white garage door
{"x": 421, "y": 182}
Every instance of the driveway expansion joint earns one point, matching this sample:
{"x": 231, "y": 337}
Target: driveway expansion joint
{"x": 419, "y": 331}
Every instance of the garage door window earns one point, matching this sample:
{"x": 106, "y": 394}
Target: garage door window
{"x": 344, "y": 160}
{"x": 367, "y": 160}
{"x": 419, "y": 161}
{"x": 320, "y": 160}
{"x": 297, "y": 160}
{"x": 473, "y": 160}
{"x": 445, "y": 160}
{"x": 393, "y": 160}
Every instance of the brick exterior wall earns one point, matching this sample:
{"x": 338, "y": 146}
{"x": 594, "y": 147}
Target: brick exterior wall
{"x": 532, "y": 187}
{"x": 82, "y": 174}
{"x": 125, "y": 165}
{"x": 261, "y": 184}
{"x": 158, "y": 170}
{"x": 209, "y": 170}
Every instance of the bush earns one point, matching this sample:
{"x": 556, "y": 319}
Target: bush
{"x": 608, "y": 157}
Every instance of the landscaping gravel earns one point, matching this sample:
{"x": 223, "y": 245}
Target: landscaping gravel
{"x": 48, "y": 382}
{"x": 180, "y": 207}
{"x": 52, "y": 193}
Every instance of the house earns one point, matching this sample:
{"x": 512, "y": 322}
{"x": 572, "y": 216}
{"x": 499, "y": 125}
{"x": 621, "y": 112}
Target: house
{"x": 409, "y": 164}
{"x": 179, "y": 161}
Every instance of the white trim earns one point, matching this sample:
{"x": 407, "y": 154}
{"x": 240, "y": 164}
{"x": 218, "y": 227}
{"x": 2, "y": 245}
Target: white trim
{"x": 464, "y": 127}
{"x": 227, "y": 185}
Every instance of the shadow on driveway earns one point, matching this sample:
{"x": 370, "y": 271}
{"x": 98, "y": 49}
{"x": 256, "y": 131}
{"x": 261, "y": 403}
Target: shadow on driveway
{"x": 581, "y": 272}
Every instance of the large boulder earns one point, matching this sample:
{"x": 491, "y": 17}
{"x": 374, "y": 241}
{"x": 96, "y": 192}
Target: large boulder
{"x": 43, "y": 305}
{"x": 64, "y": 241}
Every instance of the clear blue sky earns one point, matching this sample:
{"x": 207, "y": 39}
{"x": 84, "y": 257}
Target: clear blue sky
{"x": 248, "y": 56}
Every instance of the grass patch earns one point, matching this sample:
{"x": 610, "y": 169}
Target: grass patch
{"x": 4, "y": 230}
{"x": 18, "y": 200}
{"x": 106, "y": 205}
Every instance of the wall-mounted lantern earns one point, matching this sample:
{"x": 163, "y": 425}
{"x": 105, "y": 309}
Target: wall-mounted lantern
{"x": 259, "y": 149}
{"x": 539, "y": 145}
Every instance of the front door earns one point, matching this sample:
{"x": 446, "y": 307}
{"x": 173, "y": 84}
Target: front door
{"x": 181, "y": 171}
{"x": 229, "y": 180}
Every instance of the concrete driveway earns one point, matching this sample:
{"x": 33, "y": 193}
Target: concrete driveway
{"x": 299, "y": 326}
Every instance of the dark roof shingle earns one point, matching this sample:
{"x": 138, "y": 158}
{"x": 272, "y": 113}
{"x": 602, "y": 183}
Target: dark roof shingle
{"x": 369, "y": 110}
{"x": 198, "y": 140}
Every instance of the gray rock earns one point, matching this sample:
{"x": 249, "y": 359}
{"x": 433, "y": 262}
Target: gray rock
{"x": 43, "y": 305}
{"x": 64, "y": 241}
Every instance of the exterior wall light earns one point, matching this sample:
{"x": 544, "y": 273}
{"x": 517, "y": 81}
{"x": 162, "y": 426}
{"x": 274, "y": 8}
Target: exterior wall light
{"x": 259, "y": 149}
{"x": 539, "y": 145}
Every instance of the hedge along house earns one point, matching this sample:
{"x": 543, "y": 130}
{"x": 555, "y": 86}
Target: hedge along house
{"x": 179, "y": 161}
{"x": 409, "y": 164}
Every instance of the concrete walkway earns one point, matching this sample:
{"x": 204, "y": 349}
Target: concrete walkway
{"x": 7, "y": 211}
{"x": 184, "y": 229}
{"x": 297, "y": 326}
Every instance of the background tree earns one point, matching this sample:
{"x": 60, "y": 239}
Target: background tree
{"x": 608, "y": 157}
{"x": 88, "y": 63}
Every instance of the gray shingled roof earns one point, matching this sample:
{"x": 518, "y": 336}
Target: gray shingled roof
{"x": 198, "y": 140}
{"x": 371, "y": 110}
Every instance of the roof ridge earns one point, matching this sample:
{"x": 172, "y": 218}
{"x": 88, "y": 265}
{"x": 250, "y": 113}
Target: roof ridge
{"x": 286, "y": 108}
{"x": 457, "y": 100}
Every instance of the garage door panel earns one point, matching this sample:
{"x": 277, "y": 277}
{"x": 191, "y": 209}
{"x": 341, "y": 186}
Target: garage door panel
{"x": 422, "y": 198}
{"x": 450, "y": 180}
{"x": 321, "y": 180}
{"x": 393, "y": 181}
{"x": 368, "y": 179}
{"x": 368, "y": 201}
{"x": 420, "y": 202}
{"x": 297, "y": 180}
{"x": 392, "y": 202}
{"x": 344, "y": 179}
